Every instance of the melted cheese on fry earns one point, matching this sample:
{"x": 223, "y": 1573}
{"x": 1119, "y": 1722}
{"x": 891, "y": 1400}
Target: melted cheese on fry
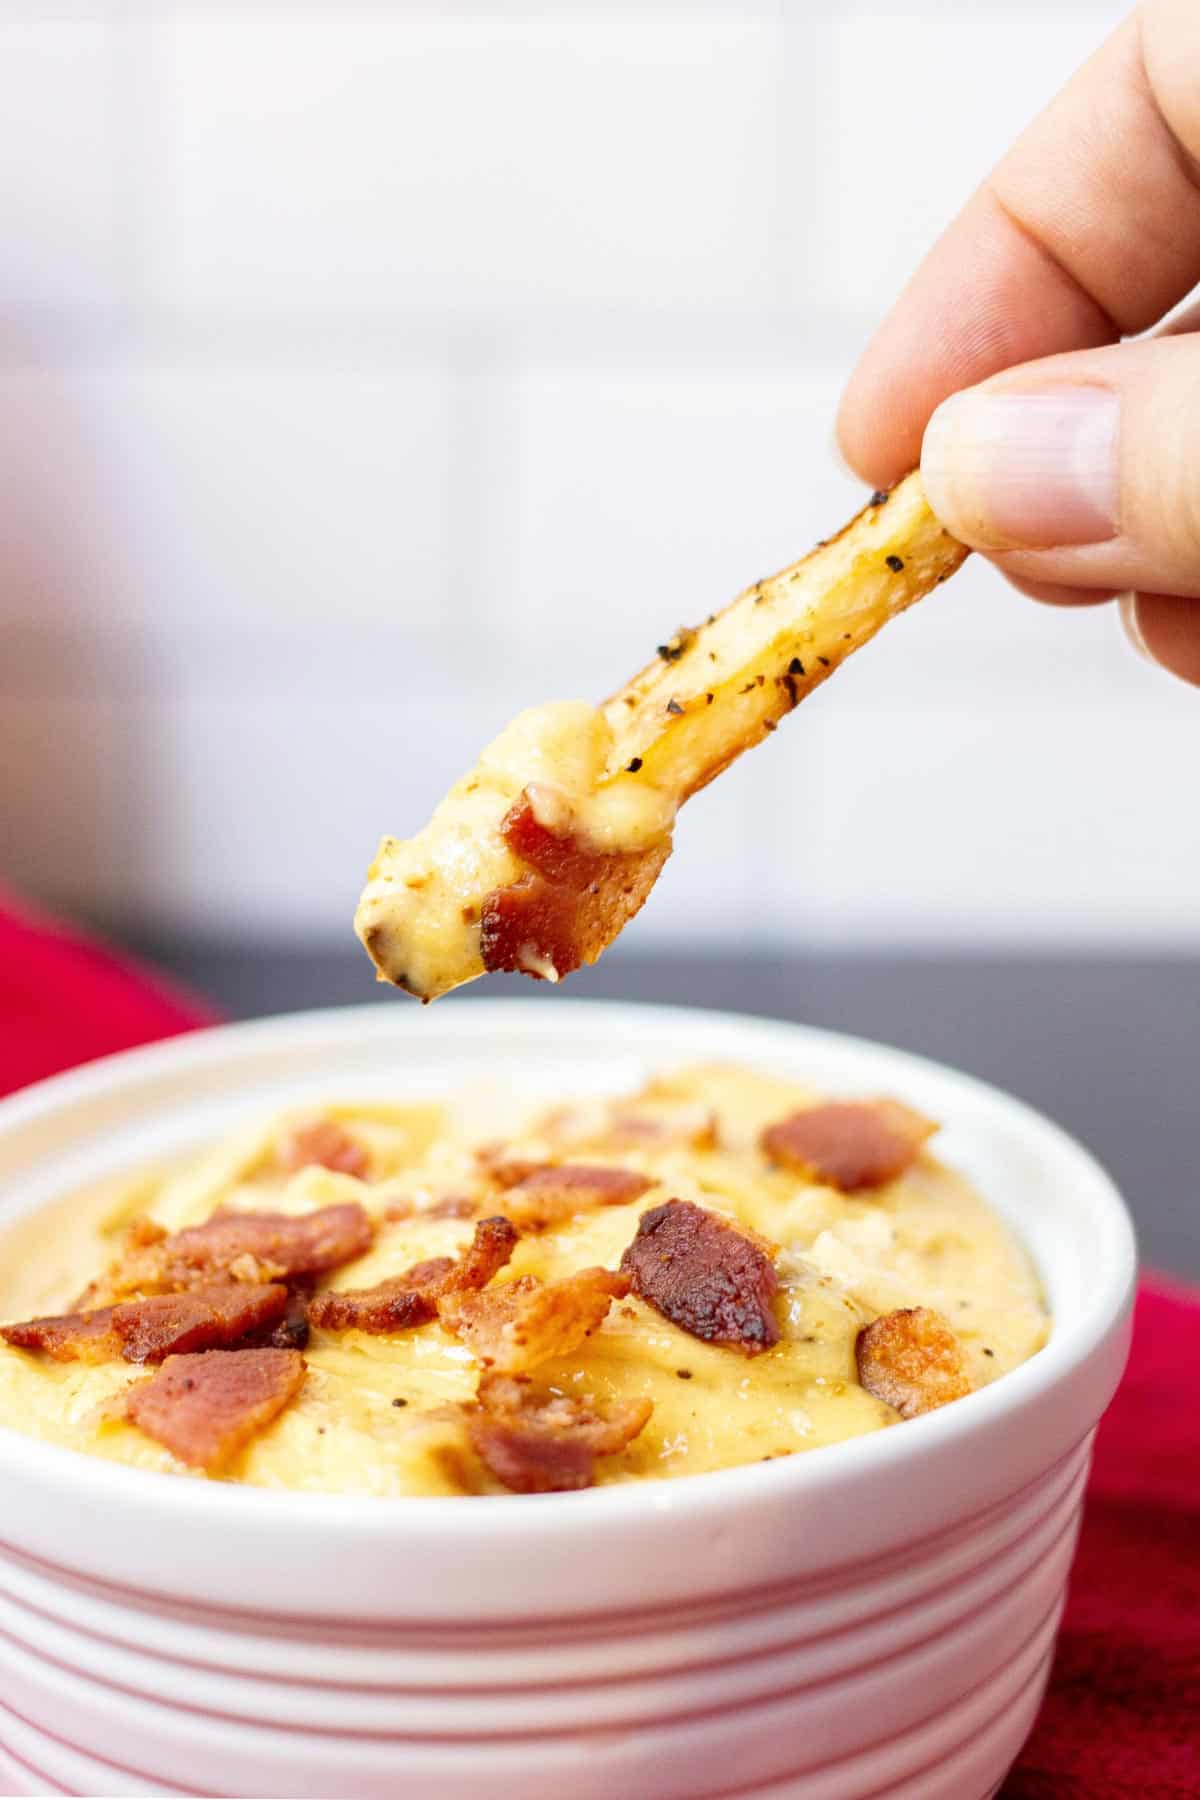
{"x": 419, "y": 912}
{"x": 377, "y": 1414}
{"x": 621, "y": 772}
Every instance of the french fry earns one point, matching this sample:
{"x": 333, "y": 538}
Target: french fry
{"x": 538, "y": 858}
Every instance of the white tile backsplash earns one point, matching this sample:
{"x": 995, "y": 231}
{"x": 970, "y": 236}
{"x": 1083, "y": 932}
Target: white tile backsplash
{"x": 1053, "y": 822}
{"x": 62, "y": 225}
{"x": 244, "y": 516}
{"x": 370, "y": 370}
{"x": 262, "y": 810}
{"x": 916, "y": 104}
{"x": 389, "y": 156}
{"x": 642, "y": 498}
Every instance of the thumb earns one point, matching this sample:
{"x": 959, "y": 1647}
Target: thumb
{"x": 1079, "y": 471}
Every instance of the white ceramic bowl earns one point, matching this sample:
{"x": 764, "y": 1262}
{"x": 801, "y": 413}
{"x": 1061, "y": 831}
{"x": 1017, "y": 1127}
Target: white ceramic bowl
{"x": 876, "y": 1618}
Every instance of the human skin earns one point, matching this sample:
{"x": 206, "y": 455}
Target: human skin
{"x": 1069, "y": 457}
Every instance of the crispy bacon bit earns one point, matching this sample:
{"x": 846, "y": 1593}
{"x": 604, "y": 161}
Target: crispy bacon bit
{"x": 705, "y": 1276}
{"x": 207, "y": 1318}
{"x": 849, "y": 1144}
{"x": 248, "y": 1247}
{"x": 522, "y": 1323}
{"x": 687, "y": 1123}
{"x": 549, "y": 1195}
{"x": 412, "y": 1298}
{"x": 571, "y": 904}
{"x": 206, "y": 1407}
{"x": 147, "y": 1330}
{"x": 290, "y": 1332}
{"x": 620, "y": 1125}
{"x": 911, "y": 1360}
{"x": 321, "y": 1141}
{"x": 500, "y": 1166}
{"x": 451, "y": 1206}
{"x": 142, "y": 1232}
{"x": 547, "y": 1443}
{"x": 68, "y": 1337}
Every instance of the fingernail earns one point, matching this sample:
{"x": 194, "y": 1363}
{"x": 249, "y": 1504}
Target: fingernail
{"x": 1007, "y": 471}
{"x": 1128, "y": 607}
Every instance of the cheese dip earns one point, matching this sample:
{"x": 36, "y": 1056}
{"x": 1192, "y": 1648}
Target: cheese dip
{"x": 395, "y": 1300}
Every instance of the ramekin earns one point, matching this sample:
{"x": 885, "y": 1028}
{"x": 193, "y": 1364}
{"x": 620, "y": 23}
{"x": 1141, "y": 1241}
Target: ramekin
{"x": 875, "y": 1618}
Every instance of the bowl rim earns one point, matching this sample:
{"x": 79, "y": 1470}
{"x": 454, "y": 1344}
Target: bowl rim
{"x": 815, "y": 1473}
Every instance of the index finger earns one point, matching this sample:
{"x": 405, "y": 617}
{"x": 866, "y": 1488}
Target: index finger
{"x": 1087, "y": 231}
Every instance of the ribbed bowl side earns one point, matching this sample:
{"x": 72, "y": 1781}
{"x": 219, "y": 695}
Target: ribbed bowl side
{"x": 916, "y": 1677}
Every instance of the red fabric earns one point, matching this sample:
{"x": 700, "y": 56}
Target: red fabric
{"x": 64, "y": 1000}
{"x": 1122, "y": 1716}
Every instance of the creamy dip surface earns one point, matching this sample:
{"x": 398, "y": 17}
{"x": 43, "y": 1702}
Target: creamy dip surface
{"x": 382, "y": 1413}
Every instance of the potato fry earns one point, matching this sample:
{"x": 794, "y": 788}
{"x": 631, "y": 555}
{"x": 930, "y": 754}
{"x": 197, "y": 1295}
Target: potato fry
{"x": 538, "y": 858}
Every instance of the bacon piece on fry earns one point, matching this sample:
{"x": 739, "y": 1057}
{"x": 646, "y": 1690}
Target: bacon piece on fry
{"x": 911, "y": 1360}
{"x": 705, "y": 1275}
{"x": 205, "y": 1408}
{"x": 412, "y": 1298}
{"x": 547, "y": 1443}
{"x": 849, "y": 1144}
{"x": 569, "y": 906}
{"x": 522, "y": 1323}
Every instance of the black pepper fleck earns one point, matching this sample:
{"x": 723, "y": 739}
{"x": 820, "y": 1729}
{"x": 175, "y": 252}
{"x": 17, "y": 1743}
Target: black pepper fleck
{"x": 988, "y": 1352}
{"x": 879, "y": 497}
{"x": 824, "y": 661}
{"x": 894, "y": 563}
{"x": 684, "y": 1374}
{"x": 795, "y": 667}
{"x": 633, "y": 765}
{"x": 674, "y": 707}
{"x": 708, "y": 699}
{"x": 399, "y": 1402}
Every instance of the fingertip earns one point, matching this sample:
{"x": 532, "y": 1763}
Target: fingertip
{"x": 861, "y": 447}
{"x": 1165, "y": 629}
{"x": 1051, "y": 593}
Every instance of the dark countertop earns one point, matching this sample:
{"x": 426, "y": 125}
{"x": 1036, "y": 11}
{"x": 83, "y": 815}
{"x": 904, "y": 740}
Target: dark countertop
{"x": 1110, "y": 1047}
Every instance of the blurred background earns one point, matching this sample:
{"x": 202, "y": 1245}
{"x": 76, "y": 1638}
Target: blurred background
{"x": 369, "y": 371}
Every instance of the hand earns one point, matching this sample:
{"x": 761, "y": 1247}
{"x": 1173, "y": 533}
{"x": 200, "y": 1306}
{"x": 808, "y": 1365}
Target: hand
{"x": 1074, "y": 464}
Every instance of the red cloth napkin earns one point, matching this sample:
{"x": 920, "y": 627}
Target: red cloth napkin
{"x": 1122, "y": 1716}
{"x": 64, "y": 1000}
